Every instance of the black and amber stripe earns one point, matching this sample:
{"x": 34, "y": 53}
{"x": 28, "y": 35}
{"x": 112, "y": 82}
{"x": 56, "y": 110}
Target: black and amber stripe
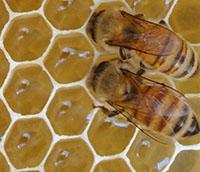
{"x": 177, "y": 60}
{"x": 181, "y": 121}
{"x": 193, "y": 128}
{"x": 189, "y": 67}
{"x": 167, "y": 115}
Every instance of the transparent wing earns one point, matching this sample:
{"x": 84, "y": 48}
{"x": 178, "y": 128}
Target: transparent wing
{"x": 147, "y": 37}
{"x": 153, "y": 109}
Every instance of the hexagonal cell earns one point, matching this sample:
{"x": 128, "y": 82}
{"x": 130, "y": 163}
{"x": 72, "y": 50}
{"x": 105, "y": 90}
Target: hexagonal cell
{"x": 114, "y": 165}
{"x": 4, "y": 67}
{"x": 3, "y": 15}
{"x": 106, "y": 5}
{"x": 194, "y": 102}
{"x": 27, "y": 37}
{"x": 27, "y": 142}
{"x": 186, "y": 161}
{"x": 4, "y": 118}
{"x": 185, "y": 20}
{"x": 146, "y": 154}
{"x": 3, "y": 165}
{"x": 28, "y": 89}
{"x": 24, "y": 5}
{"x": 189, "y": 85}
{"x": 109, "y": 136}
{"x": 153, "y": 9}
{"x": 68, "y": 111}
{"x": 69, "y": 155}
{"x": 69, "y": 58}
{"x": 67, "y": 14}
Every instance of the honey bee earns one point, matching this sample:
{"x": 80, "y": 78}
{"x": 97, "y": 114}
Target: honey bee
{"x": 152, "y": 107}
{"x": 156, "y": 46}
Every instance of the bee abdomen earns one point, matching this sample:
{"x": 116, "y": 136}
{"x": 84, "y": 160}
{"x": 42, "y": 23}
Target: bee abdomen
{"x": 181, "y": 65}
{"x": 193, "y": 128}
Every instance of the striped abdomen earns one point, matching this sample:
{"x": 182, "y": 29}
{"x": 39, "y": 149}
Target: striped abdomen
{"x": 163, "y": 111}
{"x": 181, "y": 64}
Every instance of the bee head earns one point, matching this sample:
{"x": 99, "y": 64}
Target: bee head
{"x": 105, "y": 25}
{"x": 93, "y": 24}
{"x": 103, "y": 79}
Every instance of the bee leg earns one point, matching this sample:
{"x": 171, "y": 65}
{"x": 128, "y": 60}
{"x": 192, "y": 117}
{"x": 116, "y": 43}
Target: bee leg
{"x": 107, "y": 111}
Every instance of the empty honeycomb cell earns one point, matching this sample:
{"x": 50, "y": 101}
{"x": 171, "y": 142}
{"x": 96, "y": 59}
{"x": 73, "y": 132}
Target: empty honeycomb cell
{"x": 3, "y": 15}
{"x": 3, "y": 165}
{"x": 28, "y": 89}
{"x": 103, "y": 6}
{"x": 69, "y": 111}
{"x": 69, "y": 58}
{"x": 69, "y": 156}
{"x": 153, "y": 9}
{"x": 194, "y": 102}
{"x": 185, "y": 19}
{"x": 146, "y": 154}
{"x": 115, "y": 165}
{"x": 27, "y": 142}
{"x": 67, "y": 14}
{"x": 27, "y": 37}
{"x": 4, "y": 67}
{"x": 109, "y": 136}
{"x": 4, "y": 118}
{"x": 24, "y": 5}
{"x": 186, "y": 161}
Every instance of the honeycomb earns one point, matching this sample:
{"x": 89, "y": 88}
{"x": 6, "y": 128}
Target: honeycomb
{"x": 47, "y": 119}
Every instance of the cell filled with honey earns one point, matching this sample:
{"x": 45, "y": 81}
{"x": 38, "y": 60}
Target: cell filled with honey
{"x": 186, "y": 161}
{"x": 69, "y": 156}
{"x": 114, "y": 165}
{"x": 185, "y": 20}
{"x": 67, "y": 14}
{"x": 27, "y": 37}
{"x": 27, "y": 142}
{"x": 28, "y": 89}
{"x": 154, "y": 10}
{"x": 69, "y": 58}
{"x": 147, "y": 154}
{"x": 4, "y": 15}
{"x": 3, "y": 165}
{"x": 69, "y": 111}
{"x": 4, "y": 118}
{"x": 4, "y": 67}
{"x": 23, "y": 5}
{"x": 109, "y": 136}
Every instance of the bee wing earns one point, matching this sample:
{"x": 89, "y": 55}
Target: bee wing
{"x": 151, "y": 111}
{"x": 146, "y": 37}
{"x": 135, "y": 122}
